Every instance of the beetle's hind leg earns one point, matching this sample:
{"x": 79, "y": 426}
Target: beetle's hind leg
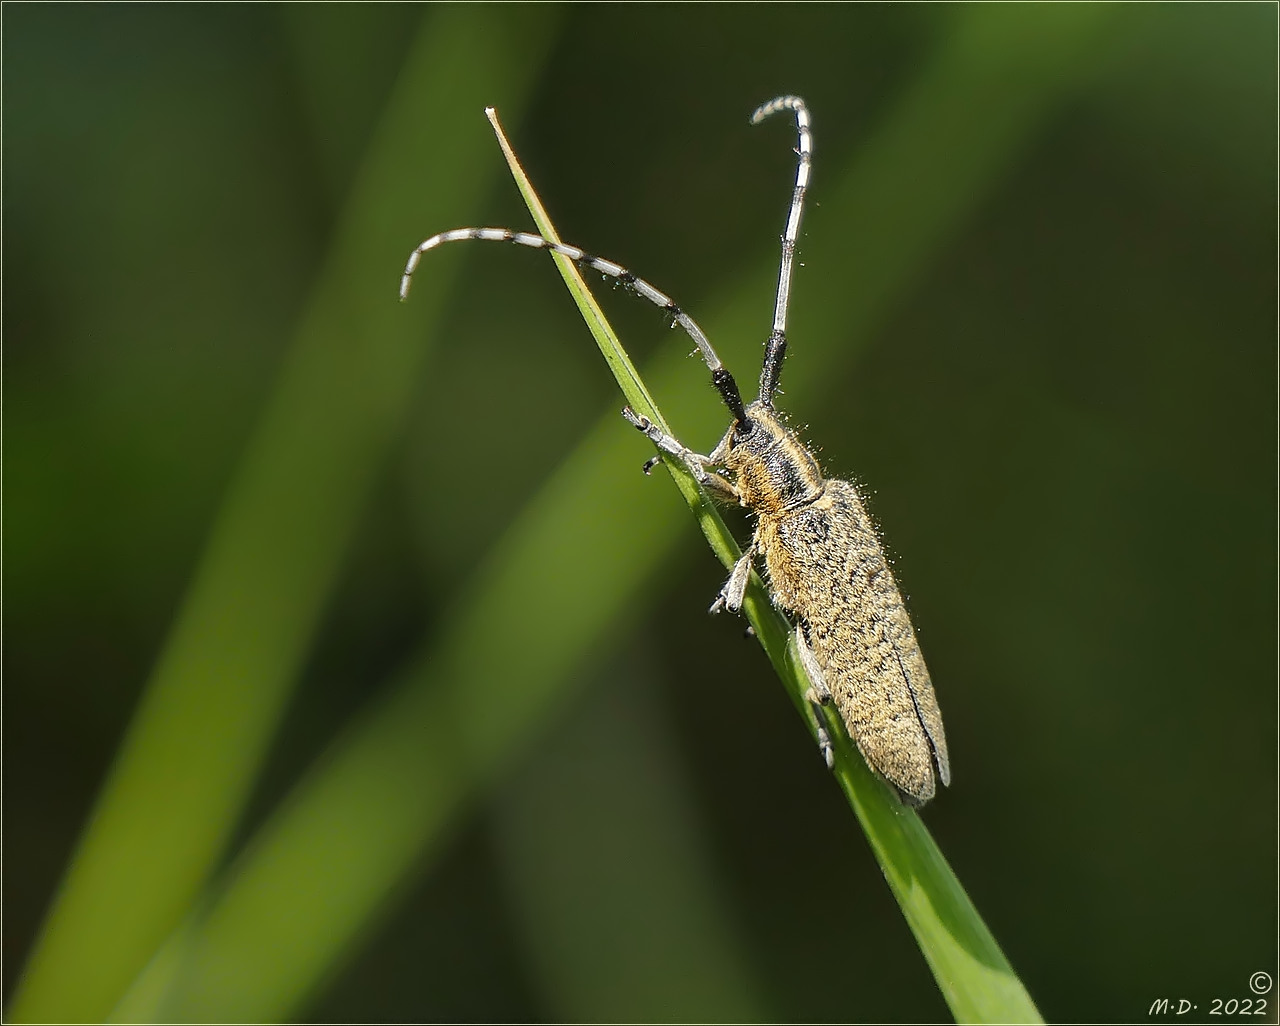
{"x": 719, "y": 487}
{"x": 818, "y": 695}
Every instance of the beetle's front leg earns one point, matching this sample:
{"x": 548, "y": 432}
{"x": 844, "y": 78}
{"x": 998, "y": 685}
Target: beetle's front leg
{"x": 719, "y": 487}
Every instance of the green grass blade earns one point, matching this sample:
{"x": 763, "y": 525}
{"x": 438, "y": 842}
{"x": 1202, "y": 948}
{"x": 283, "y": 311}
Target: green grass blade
{"x": 970, "y": 968}
{"x": 624, "y": 372}
{"x": 197, "y": 742}
{"x": 971, "y": 971}
{"x": 569, "y": 569}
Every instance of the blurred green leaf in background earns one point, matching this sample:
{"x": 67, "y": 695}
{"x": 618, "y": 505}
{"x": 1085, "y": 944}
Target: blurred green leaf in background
{"x": 355, "y": 672}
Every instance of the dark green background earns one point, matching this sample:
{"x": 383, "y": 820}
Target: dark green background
{"x": 1064, "y": 418}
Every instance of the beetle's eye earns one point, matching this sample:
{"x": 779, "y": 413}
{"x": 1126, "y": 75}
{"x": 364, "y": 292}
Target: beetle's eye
{"x": 743, "y": 428}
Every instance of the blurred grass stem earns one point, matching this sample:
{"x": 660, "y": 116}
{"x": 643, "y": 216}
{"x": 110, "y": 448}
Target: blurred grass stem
{"x": 197, "y": 742}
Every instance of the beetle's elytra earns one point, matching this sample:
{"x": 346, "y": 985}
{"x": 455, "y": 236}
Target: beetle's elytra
{"x": 826, "y": 569}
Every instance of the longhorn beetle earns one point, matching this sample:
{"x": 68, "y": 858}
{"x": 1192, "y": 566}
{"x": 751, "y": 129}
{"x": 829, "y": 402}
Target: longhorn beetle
{"x": 823, "y": 558}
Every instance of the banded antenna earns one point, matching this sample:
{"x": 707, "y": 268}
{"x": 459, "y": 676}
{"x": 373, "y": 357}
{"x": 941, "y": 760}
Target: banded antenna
{"x": 776, "y": 347}
{"x": 720, "y": 376}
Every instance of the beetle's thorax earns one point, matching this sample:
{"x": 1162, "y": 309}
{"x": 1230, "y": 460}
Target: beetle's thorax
{"x": 774, "y": 471}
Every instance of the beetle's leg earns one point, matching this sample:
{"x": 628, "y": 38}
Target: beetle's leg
{"x": 735, "y": 587}
{"x": 818, "y": 695}
{"x": 697, "y": 463}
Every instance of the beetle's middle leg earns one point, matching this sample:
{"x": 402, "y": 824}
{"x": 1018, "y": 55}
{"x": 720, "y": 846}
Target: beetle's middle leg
{"x": 735, "y": 587}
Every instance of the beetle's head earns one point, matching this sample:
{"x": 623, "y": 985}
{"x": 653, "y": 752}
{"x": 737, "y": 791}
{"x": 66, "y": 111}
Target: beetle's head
{"x": 773, "y": 469}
